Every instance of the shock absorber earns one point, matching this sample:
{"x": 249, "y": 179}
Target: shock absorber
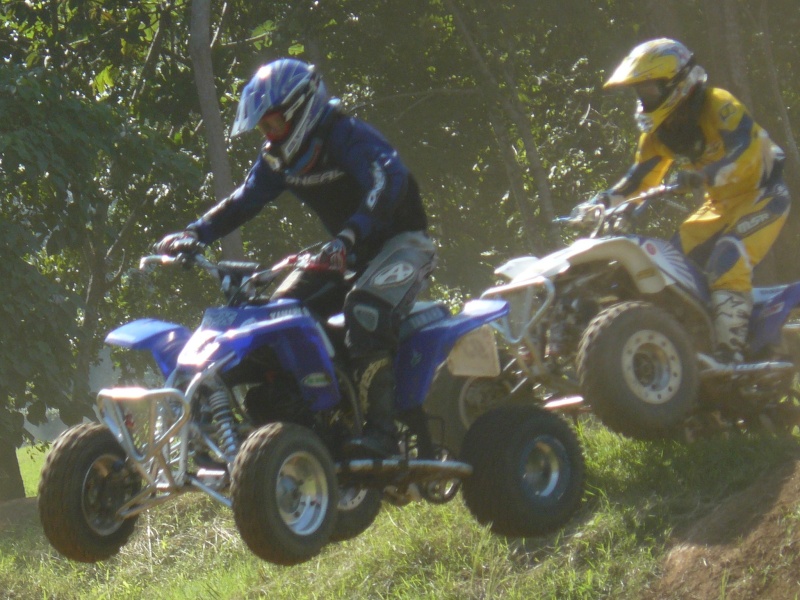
{"x": 220, "y": 406}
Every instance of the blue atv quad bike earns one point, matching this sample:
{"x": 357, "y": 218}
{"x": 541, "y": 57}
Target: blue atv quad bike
{"x": 255, "y": 410}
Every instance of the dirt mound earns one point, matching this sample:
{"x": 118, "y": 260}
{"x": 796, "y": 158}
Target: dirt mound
{"x": 747, "y": 547}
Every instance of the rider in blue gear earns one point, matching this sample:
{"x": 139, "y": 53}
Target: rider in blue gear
{"x": 354, "y": 180}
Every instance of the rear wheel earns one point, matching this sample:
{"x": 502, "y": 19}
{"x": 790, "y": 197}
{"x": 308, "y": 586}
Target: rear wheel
{"x": 357, "y": 510}
{"x": 284, "y": 493}
{"x": 84, "y": 482}
{"x": 454, "y": 403}
{"x": 528, "y": 471}
{"x": 638, "y": 371}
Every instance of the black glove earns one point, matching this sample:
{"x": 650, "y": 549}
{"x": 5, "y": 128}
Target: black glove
{"x": 332, "y": 257}
{"x": 177, "y": 243}
{"x": 690, "y": 180}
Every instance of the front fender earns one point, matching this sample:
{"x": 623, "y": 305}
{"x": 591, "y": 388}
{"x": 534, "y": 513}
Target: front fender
{"x": 164, "y": 340}
{"x": 625, "y": 251}
{"x": 293, "y": 335}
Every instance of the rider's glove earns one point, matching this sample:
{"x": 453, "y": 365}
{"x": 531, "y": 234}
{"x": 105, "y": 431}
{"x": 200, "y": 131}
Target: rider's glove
{"x": 177, "y": 243}
{"x": 583, "y": 210}
{"x": 333, "y": 255}
{"x": 690, "y": 180}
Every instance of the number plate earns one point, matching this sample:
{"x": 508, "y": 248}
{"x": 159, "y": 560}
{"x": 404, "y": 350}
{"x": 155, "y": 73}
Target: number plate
{"x": 475, "y": 355}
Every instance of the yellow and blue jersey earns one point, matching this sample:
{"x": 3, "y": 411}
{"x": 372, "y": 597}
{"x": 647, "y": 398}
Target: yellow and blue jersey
{"x": 746, "y": 202}
{"x": 736, "y": 155}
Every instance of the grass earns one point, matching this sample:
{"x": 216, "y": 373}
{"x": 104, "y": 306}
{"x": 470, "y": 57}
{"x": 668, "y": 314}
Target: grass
{"x": 31, "y": 459}
{"x": 637, "y": 494}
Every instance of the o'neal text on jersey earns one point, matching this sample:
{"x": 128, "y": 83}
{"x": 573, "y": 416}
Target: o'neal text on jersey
{"x": 315, "y": 178}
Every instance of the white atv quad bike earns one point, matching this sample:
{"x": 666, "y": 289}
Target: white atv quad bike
{"x": 620, "y": 324}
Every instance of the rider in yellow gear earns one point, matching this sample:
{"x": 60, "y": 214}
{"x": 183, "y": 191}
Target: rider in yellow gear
{"x": 721, "y": 149}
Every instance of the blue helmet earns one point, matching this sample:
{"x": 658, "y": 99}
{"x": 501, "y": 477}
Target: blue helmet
{"x": 291, "y": 87}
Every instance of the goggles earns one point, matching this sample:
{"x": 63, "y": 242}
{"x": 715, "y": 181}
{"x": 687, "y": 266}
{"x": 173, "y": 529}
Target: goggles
{"x": 274, "y": 126}
{"x": 652, "y": 93}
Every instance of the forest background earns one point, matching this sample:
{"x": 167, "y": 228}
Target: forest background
{"x": 113, "y": 132}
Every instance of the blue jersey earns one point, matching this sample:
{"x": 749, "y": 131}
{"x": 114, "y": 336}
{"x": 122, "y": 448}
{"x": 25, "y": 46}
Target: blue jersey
{"x": 353, "y": 179}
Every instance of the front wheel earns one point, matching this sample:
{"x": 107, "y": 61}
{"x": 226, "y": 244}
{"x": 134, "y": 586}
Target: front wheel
{"x": 637, "y": 370}
{"x": 528, "y": 471}
{"x": 284, "y": 493}
{"x": 84, "y": 483}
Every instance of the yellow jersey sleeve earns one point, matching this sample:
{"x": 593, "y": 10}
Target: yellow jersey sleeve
{"x": 651, "y": 163}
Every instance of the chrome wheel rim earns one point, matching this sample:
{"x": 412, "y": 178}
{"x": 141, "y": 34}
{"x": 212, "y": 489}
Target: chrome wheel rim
{"x": 302, "y": 493}
{"x": 542, "y": 468}
{"x": 651, "y": 366}
{"x": 104, "y": 492}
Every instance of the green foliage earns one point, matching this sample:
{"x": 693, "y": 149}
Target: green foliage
{"x": 103, "y": 153}
{"x": 76, "y": 179}
{"x": 37, "y": 317}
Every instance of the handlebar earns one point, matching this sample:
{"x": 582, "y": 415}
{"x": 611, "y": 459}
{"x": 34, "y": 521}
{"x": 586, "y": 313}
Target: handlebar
{"x": 240, "y": 281}
{"x": 600, "y": 218}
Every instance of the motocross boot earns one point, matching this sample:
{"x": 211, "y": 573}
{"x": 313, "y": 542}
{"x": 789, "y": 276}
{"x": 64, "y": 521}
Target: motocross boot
{"x": 731, "y": 324}
{"x": 375, "y": 384}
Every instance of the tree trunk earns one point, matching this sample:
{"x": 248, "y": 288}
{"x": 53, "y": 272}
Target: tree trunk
{"x": 164, "y": 22}
{"x": 98, "y": 284}
{"x": 735, "y": 53}
{"x": 784, "y": 253}
{"x": 515, "y": 180}
{"x": 516, "y": 114}
{"x": 765, "y": 39}
{"x": 11, "y": 486}
{"x": 714, "y": 59}
{"x": 200, "y": 49}
{"x": 769, "y": 271}
{"x": 663, "y": 21}
{"x": 725, "y": 58}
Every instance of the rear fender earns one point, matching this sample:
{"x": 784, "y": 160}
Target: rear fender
{"x": 773, "y": 307}
{"x": 164, "y": 340}
{"x": 420, "y": 355}
{"x": 511, "y": 269}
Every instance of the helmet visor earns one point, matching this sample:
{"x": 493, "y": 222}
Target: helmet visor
{"x": 652, "y": 93}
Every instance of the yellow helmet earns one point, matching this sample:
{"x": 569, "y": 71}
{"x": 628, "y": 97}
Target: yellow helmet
{"x": 662, "y": 73}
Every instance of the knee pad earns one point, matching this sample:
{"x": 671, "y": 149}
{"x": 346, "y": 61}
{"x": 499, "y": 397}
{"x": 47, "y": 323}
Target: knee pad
{"x": 726, "y": 254}
{"x": 370, "y": 323}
